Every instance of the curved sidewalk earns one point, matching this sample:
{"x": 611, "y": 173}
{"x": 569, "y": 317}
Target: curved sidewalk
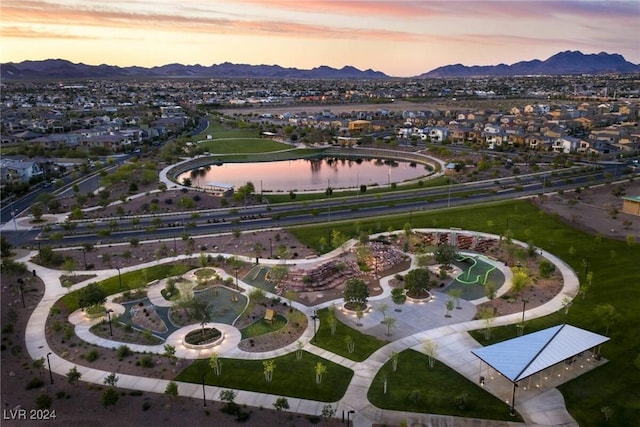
{"x": 453, "y": 342}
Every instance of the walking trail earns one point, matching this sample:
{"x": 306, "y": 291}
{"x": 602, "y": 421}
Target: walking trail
{"x": 415, "y": 324}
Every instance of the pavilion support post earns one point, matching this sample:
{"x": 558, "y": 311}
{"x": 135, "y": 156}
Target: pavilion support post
{"x": 513, "y": 400}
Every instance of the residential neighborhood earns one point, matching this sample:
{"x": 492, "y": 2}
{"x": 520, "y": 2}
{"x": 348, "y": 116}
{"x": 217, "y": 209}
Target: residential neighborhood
{"x": 105, "y": 189}
{"x": 572, "y": 115}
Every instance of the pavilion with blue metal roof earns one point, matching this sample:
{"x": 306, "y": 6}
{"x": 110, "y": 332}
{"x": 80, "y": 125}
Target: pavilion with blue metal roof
{"x": 522, "y": 357}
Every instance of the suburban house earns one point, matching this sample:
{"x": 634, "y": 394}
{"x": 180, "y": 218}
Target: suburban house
{"x": 57, "y": 141}
{"x": 609, "y": 135}
{"x": 438, "y": 134}
{"x": 566, "y": 144}
{"x": 538, "y": 142}
{"x": 12, "y": 170}
{"x": 602, "y": 147}
{"x": 459, "y": 134}
{"x": 359, "y": 126}
{"x": 494, "y": 136}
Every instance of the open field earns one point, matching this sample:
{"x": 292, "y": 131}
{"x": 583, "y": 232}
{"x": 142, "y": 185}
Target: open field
{"x": 242, "y": 145}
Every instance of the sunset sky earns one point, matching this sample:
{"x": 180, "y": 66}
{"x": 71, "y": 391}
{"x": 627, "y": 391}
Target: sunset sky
{"x": 399, "y": 38}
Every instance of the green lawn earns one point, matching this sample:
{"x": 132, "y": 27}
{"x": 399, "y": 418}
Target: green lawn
{"x": 364, "y": 344}
{"x": 438, "y": 389}
{"x": 291, "y": 377}
{"x": 271, "y": 156}
{"x": 217, "y": 131}
{"x": 243, "y": 145}
{"x": 616, "y": 271}
{"x": 262, "y": 327}
{"x": 131, "y": 280}
{"x": 337, "y": 194}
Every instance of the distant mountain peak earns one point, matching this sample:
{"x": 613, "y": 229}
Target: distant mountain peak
{"x": 62, "y": 68}
{"x": 567, "y": 62}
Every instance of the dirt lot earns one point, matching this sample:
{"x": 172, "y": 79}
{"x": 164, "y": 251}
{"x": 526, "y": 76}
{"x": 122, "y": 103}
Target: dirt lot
{"x": 596, "y": 210}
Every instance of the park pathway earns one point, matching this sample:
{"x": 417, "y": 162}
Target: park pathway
{"x": 453, "y": 342}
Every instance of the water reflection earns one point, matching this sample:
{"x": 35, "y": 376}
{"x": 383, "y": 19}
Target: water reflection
{"x": 307, "y": 174}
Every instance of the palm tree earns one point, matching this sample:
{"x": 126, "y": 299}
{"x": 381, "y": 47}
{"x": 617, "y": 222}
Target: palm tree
{"x": 269, "y": 366}
{"x": 320, "y": 369}
{"x": 430, "y": 348}
{"x": 69, "y": 265}
{"x": 215, "y": 363}
{"x": 389, "y": 322}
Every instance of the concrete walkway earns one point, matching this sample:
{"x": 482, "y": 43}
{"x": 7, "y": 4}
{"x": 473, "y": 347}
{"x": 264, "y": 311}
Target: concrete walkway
{"x": 454, "y": 346}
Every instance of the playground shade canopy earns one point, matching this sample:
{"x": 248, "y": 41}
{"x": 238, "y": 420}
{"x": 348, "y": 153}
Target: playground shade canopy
{"x": 521, "y": 357}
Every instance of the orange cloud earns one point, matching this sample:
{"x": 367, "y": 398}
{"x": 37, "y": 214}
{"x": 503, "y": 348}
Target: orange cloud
{"x": 29, "y": 33}
{"x": 460, "y": 8}
{"x": 404, "y": 9}
{"x": 46, "y": 13}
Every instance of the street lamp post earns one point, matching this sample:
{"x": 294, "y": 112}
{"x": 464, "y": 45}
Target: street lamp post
{"x": 524, "y": 305}
{"x": 21, "y": 285}
{"x": 506, "y": 228}
{"x": 348, "y": 414}
{"x": 49, "y": 363}
{"x": 329, "y": 191}
{"x": 270, "y": 249}
{"x": 314, "y": 317}
{"x": 204, "y": 398}
{"x": 84, "y": 257}
{"x": 119, "y": 279}
{"x": 110, "y": 328}
{"x": 234, "y": 298}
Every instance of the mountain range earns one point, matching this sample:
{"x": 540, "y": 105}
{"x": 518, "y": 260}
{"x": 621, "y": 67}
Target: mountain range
{"x": 60, "y": 68}
{"x": 568, "y": 62}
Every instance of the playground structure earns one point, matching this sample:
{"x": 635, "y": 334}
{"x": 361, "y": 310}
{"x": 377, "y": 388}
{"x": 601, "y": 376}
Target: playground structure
{"x": 477, "y": 273}
{"x": 329, "y": 274}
